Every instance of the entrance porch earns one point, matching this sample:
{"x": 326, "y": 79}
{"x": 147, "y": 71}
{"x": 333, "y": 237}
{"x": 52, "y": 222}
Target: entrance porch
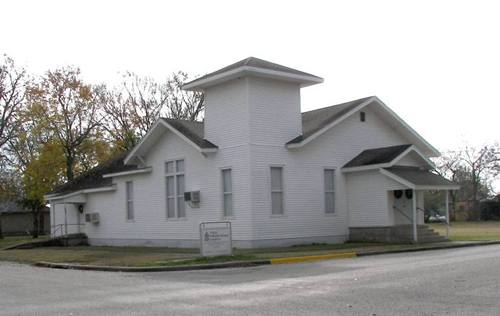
{"x": 396, "y": 196}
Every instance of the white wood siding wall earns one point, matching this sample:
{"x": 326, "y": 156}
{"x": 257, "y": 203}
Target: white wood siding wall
{"x": 61, "y": 214}
{"x": 150, "y": 224}
{"x": 412, "y": 160}
{"x": 251, "y": 120}
{"x": 303, "y": 177}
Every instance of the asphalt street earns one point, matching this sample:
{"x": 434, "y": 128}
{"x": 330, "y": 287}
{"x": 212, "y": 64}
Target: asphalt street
{"x": 462, "y": 281}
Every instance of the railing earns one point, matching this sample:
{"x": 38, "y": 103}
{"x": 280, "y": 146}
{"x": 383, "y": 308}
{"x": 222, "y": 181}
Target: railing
{"x": 62, "y": 229}
{"x": 402, "y": 213}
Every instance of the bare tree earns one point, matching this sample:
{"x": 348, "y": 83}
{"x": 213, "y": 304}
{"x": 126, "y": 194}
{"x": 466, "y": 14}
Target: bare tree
{"x": 483, "y": 165}
{"x": 474, "y": 169}
{"x": 182, "y": 104}
{"x": 12, "y": 92}
{"x": 118, "y": 120}
{"x": 145, "y": 98}
{"x": 130, "y": 110}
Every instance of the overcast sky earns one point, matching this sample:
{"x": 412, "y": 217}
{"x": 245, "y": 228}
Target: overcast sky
{"x": 436, "y": 63}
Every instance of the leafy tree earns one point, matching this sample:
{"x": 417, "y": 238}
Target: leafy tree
{"x": 71, "y": 111}
{"x": 41, "y": 176}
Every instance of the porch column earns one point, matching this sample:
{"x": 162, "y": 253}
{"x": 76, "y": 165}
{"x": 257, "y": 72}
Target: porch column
{"x": 447, "y": 208}
{"x": 52, "y": 219}
{"x": 414, "y": 209}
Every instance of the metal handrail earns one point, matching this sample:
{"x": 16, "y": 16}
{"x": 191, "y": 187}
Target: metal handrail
{"x": 402, "y": 213}
{"x": 59, "y": 227}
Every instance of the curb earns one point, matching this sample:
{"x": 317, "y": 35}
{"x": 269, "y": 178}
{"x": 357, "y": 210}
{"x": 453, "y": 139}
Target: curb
{"x": 330, "y": 256}
{"x": 235, "y": 264}
{"x": 254, "y": 263}
{"x": 428, "y": 248}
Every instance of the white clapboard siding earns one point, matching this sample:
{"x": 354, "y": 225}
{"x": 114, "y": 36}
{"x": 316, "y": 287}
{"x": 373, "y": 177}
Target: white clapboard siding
{"x": 250, "y": 120}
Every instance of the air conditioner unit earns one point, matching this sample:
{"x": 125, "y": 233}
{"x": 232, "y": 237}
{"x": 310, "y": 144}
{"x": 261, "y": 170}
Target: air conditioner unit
{"x": 95, "y": 218}
{"x": 193, "y": 198}
{"x": 92, "y": 218}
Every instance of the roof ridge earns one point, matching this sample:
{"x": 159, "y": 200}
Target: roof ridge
{"x": 181, "y": 120}
{"x": 338, "y": 104}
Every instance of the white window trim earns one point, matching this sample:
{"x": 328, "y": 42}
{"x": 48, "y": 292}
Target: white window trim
{"x": 224, "y": 216}
{"x": 283, "y": 189}
{"x": 176, "y": 195}
{"x": 334, "y": 213}
{"x": 127, "y": 200}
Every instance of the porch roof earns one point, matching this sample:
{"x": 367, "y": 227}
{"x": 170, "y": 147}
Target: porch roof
{"x": 418, "y": 178}
{"x": 377, "y": 156}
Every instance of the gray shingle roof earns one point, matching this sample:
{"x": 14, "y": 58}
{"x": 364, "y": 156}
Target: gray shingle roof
{"x": 192, "y": 130}
{"x": 418, "y": 176}
{"x": 313, "y": 121}
{"x": 377, "y": 156}
{"x": 257, "y": 63}
{"x": 93, "y": 178}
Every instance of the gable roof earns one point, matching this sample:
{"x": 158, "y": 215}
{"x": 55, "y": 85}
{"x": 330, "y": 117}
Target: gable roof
{"x": 193, "y": 130}
{"x": 417, "y": 178}
{"x": 376, "y": 156}
{"x": 317, "y": 122}
{"x": 94, "y": 177}
{"x": 384, "y": 157}
{"x": 190, "y": 131}
{"x": 255, "y": 66}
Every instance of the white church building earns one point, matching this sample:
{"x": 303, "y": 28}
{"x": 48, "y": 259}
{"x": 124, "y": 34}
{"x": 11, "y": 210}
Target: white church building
{"x": 282, "y": 177}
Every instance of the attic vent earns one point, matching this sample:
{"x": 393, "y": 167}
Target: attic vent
{"x": 362, "y": 116}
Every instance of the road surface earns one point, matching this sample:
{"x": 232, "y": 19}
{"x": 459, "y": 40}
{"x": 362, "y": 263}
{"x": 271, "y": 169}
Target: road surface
{"x": 444, "y": 282}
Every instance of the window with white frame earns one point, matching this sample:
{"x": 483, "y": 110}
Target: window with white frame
{"x": 174, "y": 171}
{"x": 329, "y": 175}
{"x": 129, "y": 193}
{"x": 227, "y": 192}
{"x": 276, "y": 190}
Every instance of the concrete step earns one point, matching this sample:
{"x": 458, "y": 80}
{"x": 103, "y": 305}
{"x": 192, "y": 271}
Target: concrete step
{"x": 425, "y": 234}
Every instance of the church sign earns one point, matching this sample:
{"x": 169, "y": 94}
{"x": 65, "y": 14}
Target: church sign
{"x": 215, "y": 239}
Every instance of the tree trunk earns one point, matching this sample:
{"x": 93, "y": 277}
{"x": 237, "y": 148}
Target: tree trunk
{"x": 475, "y": 200}
{"x": 36, "y": 217}
{"x": 69, "y": 167}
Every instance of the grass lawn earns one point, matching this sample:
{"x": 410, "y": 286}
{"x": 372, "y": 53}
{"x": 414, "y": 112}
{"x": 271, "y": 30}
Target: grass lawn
{"x": 470, "y": 231}
{"x": 8, "y": 241}
{"x": 158, "y": 256}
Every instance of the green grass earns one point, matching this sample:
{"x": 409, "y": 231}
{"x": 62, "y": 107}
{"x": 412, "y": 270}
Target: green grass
{"x": 8, "y": 241}
{"x": 161, "y": 256}
{"x": 203, "y": 260}
{"x": 470, "y": 231}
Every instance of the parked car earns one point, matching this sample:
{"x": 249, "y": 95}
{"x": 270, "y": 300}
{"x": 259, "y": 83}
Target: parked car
{"x": 433, "y": 216}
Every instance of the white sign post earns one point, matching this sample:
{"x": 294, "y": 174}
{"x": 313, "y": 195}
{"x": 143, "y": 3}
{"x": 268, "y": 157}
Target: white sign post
{"x": 215, "y": 239}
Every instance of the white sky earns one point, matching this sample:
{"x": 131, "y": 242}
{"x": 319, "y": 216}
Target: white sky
{"x": 436, "y": 63}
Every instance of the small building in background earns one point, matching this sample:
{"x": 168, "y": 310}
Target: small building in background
{"x": 17, "y": 220}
